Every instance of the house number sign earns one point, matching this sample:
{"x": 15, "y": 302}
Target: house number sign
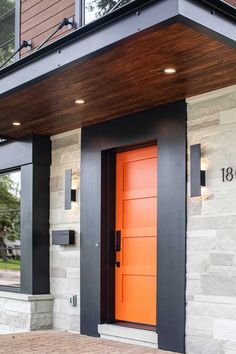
{"x": 228, "y": 174}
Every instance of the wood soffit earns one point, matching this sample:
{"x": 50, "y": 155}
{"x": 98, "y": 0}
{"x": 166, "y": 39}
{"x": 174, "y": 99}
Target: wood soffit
{"x": 125, "y": 79}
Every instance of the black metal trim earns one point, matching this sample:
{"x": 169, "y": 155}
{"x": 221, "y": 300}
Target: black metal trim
{"x": 165, "y": 125}
{"x": 225, "y": 9}
{"x": 78, "y": 33}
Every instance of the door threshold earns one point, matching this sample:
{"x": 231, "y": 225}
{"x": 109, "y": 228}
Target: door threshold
{"x": 127, "y": 334}
{"x": 135, "y": 325}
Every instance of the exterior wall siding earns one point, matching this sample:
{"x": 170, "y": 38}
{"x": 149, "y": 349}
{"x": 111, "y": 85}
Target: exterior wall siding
{"x": 231, "y": 2}
{"x": 39, "y": 18}
{"x": 211, "y": 235}
{"x": 65, "y": 260}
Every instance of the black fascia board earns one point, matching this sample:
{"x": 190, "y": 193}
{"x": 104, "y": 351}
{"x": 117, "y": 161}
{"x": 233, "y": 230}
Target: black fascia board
{"x": 215, "y": 18}
{"x": 210, "y": 17}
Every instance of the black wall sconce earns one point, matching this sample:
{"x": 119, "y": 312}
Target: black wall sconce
{"x": 70, "y": 194}
{"x": 198, "y": 177}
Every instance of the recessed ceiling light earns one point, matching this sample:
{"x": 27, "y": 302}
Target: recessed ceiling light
{"x": 79, "y": 101}
{"x": 169, "y": 71}
{"x": 16, "y": 124}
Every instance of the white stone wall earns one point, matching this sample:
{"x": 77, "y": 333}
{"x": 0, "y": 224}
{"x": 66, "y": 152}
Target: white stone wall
{"x": 211, "y": 228}
{"x": 65, "y": 260}
{"x": 21, "y": 312}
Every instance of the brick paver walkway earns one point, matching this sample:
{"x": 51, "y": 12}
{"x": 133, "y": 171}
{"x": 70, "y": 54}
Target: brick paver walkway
{"x": 44, "y": 342}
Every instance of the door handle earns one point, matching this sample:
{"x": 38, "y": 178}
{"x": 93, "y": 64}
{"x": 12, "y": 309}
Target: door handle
{"x": 117, "y": 241}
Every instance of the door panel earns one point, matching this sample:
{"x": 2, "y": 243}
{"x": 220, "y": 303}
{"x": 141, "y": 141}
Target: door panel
{"x": 136, "y": 218}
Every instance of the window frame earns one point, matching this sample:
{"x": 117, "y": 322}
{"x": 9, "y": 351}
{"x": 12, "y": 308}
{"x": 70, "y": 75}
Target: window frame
{"x": 16, "y": 39}
{"x": 80, "y": 13}
{"x": 32, "y": 156}
{"x": 10, "y": 288}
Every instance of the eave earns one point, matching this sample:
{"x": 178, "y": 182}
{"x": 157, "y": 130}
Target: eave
{"x": 132, "y": 32}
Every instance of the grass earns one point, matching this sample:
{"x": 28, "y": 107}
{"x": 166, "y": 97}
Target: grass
{"x": 13, "y": 264}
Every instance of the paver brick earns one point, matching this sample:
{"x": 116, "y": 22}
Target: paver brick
{"x": 59, "y": 342}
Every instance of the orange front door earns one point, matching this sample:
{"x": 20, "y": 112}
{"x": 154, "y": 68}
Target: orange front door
{"x": 136, "y": 219}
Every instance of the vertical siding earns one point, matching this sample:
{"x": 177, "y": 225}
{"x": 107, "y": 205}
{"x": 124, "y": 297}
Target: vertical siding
{"x": 40, "y": 17}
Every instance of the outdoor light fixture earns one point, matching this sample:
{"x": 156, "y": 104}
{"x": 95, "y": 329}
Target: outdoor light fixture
{"x": 198, "y": 177}
{"x": 16, "y": 124}
{"x": 79, "y": 101}
{"x": 70, "y": 194}
{"x": 170, "y": 71}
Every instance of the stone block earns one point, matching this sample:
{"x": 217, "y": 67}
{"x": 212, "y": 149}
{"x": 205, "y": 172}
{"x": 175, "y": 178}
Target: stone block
{"x": 61, "y": 321}
{"x": 65, "y": 141}
{"x": 44, "y": 306}
{"x": 230, "y": 348}
{"x": 41, "y": 321}
{"x": 211, "y": 106}
{"x": 193, "y": 287}
{"x": 224, "y": 330}
{"x": 228, "y": 116}
{"x": 57, "y": 184}
{"x": 199, "y": 326}
{"x": 203, "y": 346}
{"x": 212, "y": 310}
{"x": 226, "y": 240}
{"x": 58, "y": 272}
{"x": 197, "y": 261}
{"x": 74, "y": 323}
{"x": 222, "y": 259}
{"x": 201, "y": 244}
{"x": 218, "y": 284}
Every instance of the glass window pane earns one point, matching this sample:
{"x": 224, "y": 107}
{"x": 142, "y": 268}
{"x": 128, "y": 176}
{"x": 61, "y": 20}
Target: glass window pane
{"x": 98, "y": 8}
{"x": 7, "y": 29}
{"x": 10, "y": 191}
{"x": 6, "y": 51}
{"x": 6, "y": 6}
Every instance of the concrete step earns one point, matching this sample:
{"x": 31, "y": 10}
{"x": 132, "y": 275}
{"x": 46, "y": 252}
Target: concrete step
{"x": 128, "y": 335}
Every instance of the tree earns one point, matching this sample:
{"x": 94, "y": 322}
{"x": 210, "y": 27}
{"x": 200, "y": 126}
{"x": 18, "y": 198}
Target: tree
{"x": 7, "y": 29}
{"x": 9, "y": 212}
{"x": 102, "y": 7}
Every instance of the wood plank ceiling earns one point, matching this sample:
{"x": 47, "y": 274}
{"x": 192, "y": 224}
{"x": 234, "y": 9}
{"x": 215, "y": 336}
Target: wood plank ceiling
{"x": 123, "y": 80}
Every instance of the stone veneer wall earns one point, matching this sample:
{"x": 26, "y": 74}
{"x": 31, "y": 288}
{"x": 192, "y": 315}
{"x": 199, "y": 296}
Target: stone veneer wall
{"x": 65, "y": 260}
{"x": 211, "y": 235}
{"x": 21, "y": 312}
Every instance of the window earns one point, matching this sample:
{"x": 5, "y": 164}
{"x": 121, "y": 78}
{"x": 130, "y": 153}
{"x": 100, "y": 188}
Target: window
{"x": 7, "y": 30}
{"x": 10, "y": 201}
{"x": 98, "y": 8}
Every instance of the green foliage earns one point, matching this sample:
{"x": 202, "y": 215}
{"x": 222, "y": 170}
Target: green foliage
{"x": 7, "y": 29}
{"x": 9, "y": 208}
{"x": 102, "y": 7}
{"x": 13, "y": 264}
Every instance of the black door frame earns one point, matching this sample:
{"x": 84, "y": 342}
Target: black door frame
{"x": 165, "y": 125}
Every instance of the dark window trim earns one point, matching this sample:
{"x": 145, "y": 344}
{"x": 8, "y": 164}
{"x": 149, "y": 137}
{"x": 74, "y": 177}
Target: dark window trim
{"x": 9, "y": 287}
{"x": 32, "y": 155}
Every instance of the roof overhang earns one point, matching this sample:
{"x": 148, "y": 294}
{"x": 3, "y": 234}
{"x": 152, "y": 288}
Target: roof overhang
{"x": 213, "y": 20}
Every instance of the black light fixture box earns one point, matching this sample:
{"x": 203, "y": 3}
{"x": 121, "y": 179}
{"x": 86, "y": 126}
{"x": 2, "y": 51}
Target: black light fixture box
{"x": 198, "y": 177}
{"x": 70, "y": 194}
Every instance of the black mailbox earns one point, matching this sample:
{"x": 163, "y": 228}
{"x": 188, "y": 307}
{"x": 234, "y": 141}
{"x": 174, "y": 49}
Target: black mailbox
{"x": 63, "y": 237}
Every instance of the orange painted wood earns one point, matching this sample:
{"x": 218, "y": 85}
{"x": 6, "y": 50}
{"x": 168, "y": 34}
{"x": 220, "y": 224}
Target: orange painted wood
{"x": 136, "y": 218}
